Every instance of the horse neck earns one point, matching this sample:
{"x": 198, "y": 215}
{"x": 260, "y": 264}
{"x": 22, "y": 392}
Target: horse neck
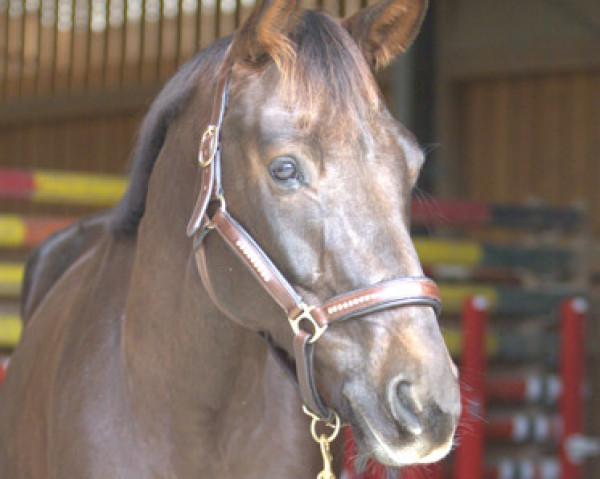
{"x": 186, "y": 364}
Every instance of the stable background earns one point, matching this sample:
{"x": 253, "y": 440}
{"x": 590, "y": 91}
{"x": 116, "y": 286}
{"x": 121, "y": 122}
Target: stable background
{"x": 503, "y": 94}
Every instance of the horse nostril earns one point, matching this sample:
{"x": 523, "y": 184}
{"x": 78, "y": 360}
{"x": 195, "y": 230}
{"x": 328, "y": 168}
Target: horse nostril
{"x": 404, "y": 407}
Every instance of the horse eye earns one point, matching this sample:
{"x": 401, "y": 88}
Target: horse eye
{"x": 284, "y": 169}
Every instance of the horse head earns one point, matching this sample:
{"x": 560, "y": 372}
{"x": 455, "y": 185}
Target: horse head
{"x": 319, "y": 173}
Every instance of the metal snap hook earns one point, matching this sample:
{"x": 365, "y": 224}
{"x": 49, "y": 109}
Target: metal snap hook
{"x": 324, "y": 441}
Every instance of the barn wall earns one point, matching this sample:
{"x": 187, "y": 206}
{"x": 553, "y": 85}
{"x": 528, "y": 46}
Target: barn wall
{"x": 532, "y": 137}
{"x": 74, "y": 84}
{"x": 507, "y": 65}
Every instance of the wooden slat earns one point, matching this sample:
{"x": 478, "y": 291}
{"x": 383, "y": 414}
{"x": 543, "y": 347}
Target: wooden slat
{"x": 499, "y": 138}
{"x": 54, "y": 53}
{"x": 532, "y": 137}
{"x": 5, "y": 50}
{"x": 476, "y": 138}
{"x": 95, "y": 47}
{"x": 593, "y": 165}
{"x": 21, "y": 56}
{"x": 38, "y": 48}
{"x": 159, "y": 40}
{"x": 523, "y": 117}
{"x": 71, "y": 71}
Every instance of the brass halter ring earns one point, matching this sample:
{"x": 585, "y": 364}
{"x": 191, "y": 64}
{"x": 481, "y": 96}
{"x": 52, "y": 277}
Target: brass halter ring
{"x": 316, "y": 419}
{"x": 307, "y": 315}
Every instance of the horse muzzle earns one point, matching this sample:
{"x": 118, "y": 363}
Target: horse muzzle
{"x": 404, "y": 402}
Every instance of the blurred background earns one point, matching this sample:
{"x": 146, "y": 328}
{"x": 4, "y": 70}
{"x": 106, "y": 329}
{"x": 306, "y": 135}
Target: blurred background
{"x": 504, "y": 96}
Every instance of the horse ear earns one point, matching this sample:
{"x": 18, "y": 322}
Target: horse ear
{"x": 386, "y": 29}
{"x": 265, "y": 32}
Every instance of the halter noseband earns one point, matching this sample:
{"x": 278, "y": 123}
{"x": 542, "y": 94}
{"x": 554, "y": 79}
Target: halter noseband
{"x": 308, "y": 322}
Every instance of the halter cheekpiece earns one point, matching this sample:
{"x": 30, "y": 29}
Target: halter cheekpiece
{"x": 308, "y": 322}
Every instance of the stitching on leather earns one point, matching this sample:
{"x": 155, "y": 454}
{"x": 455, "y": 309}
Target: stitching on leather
{"x": 254, "y": 260}
{"x": 351, "y": 303}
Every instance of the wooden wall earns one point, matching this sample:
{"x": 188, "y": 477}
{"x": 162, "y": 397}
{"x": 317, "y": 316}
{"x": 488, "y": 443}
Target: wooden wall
{"x": 50, "y": 47}
{"x": 518, "y": 91}
{"x": 74, "y": 85}
{"x": 75, "y": 80}
{"x": 532, "y": 138}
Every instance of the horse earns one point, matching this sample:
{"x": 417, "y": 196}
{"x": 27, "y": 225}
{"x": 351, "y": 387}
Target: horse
{"x": 258, "y": 267}
{"x": 47, "y": 263}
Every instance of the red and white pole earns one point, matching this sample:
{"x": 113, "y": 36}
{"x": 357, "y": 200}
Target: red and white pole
{"x": 572, "y": 372}
{"x": 469, "y": 460}
{"x": 530, "y": 388}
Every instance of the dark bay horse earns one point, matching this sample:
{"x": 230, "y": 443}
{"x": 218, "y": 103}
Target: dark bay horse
{"x": 141, "y": 356}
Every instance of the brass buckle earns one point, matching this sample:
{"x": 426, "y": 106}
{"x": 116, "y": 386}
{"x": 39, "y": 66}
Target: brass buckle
{"x": 306, "y": 314}
{"x": 210, "y": 134}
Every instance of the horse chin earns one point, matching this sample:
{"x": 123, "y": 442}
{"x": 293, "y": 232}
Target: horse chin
{"x": 410, "y": 454}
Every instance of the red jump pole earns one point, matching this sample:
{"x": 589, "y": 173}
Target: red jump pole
{"x": 530, "y": 388}
{"x": 469, "y": 461}
{"x": 519, "y": 428}
{"x": 572, "y": 371}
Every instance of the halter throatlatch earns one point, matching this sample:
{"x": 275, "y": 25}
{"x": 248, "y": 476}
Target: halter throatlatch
{"x": 308, "y": 322}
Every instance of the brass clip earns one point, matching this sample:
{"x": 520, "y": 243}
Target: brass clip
{"x": 326, "y": 473}
{"x": 324, "y": 441}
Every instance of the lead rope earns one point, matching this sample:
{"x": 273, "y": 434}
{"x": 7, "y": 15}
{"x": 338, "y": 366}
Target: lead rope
{"x": 324, "y": 441}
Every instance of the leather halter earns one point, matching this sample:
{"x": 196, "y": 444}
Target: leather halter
{"x": 308, "y": 322}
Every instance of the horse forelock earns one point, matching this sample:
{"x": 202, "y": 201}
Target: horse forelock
{"x": 328, "y": 76}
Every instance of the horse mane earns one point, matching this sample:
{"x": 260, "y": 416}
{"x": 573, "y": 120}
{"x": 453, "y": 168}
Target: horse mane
{"x": 162, "y": 112}
{"x": 327, "y": 63}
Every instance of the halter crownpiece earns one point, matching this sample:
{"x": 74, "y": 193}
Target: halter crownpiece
{"x": 308, "y": 322}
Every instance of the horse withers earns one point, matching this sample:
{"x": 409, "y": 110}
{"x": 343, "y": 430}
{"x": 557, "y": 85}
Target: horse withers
{"x": 144, "y": 355}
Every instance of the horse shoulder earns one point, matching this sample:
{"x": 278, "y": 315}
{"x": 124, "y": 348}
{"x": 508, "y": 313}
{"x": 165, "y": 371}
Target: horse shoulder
{"x": 68, "y": 358}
